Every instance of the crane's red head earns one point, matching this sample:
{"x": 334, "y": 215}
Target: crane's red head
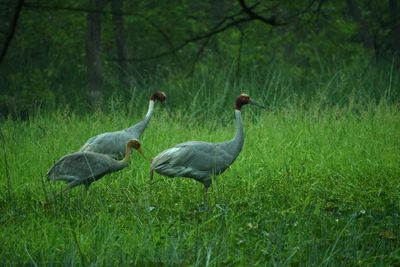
{"x": 244, "y": 99}
{"x": 136, "y": 145}
{"x": 159, "y": 95}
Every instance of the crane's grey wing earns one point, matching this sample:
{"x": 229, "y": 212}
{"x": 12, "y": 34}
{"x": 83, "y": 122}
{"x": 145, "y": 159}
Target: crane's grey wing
{"x": 192, "y": 159}
{"x": 112, "y": 144}
{"x": 97, "y": 142}
{"x": 82, "y": 166}
{"x": 90, "y": 143}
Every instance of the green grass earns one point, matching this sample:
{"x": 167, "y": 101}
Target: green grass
{"x": 312, "y": 187}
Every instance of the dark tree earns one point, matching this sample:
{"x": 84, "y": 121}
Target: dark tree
{"x": 395, "y": 25}
{"x": 120, "y": 41}
{"x": 93, "y": 54}
{"x": 13, "y": 27}
{"x": 364, "y": 33}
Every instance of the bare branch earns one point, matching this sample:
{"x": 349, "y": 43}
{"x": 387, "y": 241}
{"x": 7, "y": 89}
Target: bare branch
{"x": 305, "y": 10}
{"x": 218, "y": 30}
{"x": 249, "y": 11}
{"x": 246, "y": 14}
{"x": 198, "y": 55}
{"x": 76, "y": 9}
{"x": 195, "y": 39}
{"x": 102, "y": 12}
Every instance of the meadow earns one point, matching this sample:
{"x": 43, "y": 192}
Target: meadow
{"x": 316, "y": 184}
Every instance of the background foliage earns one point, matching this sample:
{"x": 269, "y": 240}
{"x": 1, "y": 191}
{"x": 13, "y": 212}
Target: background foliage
{"x": 319, "y": 42}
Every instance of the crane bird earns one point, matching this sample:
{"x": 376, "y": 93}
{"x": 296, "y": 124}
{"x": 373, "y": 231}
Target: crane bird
{"x": 113, "y": 143}
{"x": 84, "y": 168}
{"x": 202, "y": 160}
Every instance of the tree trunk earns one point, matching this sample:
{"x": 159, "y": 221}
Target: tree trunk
{"x": 13, "y": 28}
{"x": 217, "y": 11}
{"x": 394, "y": 13}
{"x": 93, "y": 54}
{"x": 364, "y": 33}
{"x": 120, "y": 41}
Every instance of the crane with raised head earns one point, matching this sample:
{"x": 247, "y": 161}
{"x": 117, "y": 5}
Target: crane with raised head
{"x": 203, "y": 160}
{"x": 113, "y": 143}
{"x": 84, "y": 168}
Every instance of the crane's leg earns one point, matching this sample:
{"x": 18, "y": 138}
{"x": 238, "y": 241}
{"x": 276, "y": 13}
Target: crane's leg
{"x": 151, "y": 174}
{"x": 65, "y": 189}
{"x": 86, "y": 190}
{"x": 204, "y": 206}
{"x": 207, "y": 184}
{"x": 205, "y": 195}
{"x": 151, "y": 183}
{"x": 69, "y": 186}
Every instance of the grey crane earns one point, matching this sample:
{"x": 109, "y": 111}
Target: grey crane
{"x": 113, "y": 143}
{"x": 84, "y": 168}
{"x": 202, "y": 160}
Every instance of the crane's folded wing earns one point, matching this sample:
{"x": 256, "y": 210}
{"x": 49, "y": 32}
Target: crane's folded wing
{"x": 81, "y": 164}
{"x": 192, "y": 158}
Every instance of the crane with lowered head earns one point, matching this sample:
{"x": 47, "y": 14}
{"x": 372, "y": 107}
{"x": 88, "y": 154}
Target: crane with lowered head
{"x": 84, "y": 168}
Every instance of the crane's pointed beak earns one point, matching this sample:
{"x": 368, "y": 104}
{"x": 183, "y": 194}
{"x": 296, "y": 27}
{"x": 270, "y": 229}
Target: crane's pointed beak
{"x": 252, "y": 102}
{"x": 141, "y": 152}
{"x": 164, "y": 98}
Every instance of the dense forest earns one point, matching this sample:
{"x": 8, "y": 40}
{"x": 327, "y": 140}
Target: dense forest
{"x": 85, "y": 53}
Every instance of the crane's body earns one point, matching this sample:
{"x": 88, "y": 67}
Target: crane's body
{"x": 202, "y": 160}
{"x": 84, "y": 168}
{"x": 113, "y": 143}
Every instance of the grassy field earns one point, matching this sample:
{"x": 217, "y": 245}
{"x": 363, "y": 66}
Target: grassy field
{"x": 312, "y": 187}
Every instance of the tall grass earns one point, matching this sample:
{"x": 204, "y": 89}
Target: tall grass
{"x": 317, "y": 181}
{"x": 359, "y": 83}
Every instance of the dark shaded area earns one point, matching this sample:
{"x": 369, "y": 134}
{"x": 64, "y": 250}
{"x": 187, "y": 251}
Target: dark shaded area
{"x": 66, "y": 53}
{"x": 93, "y": 55}
{"x": 13, "y": 27}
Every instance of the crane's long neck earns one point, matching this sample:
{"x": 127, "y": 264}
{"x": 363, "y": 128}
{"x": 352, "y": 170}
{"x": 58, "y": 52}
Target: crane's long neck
{"x": 150, "y": 110}
{"x": 140, "y": 126}
{"x": 127, "y": 156}
{"x": 236, "y": 143}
